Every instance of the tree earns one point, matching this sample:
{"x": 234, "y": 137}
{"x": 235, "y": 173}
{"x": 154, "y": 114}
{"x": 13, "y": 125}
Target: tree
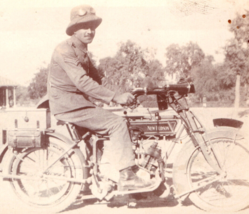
{"x": 236, "y": 52}
{"x": 213, "y": 81}
{"x": 235, "y": 62}
{"x": 205, "y": 79}
{"x": 22, "y": 95}
{"x": 239, "y": 26}
{"x": 110, "y": 67}
{"x": 156, "y": 73}
{"x": 38, "y": 85}
{"x": 129, "y": 67}
{"x": 180, "y": 60}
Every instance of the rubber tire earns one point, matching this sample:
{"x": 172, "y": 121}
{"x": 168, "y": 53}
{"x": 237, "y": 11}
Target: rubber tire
{"x": 78, "y": 160}
{"x": 182, "y": 184}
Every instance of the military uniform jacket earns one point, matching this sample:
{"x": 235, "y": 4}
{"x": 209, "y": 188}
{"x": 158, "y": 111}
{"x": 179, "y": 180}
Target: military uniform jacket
{"x": 72, "y": 79}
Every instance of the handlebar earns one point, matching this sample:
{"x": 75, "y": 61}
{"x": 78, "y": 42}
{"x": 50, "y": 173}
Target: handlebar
{"x": 182, "y": 89}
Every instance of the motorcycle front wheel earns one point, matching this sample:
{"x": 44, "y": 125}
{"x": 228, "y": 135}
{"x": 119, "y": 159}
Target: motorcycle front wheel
{"x": 228, "y": 192}
{"x": 47, "y": 191}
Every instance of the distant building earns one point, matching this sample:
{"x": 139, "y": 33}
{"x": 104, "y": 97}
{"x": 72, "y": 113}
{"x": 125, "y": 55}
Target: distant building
{"x": 7, "y": 93}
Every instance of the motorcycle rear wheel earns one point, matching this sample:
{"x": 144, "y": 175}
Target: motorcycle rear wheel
{"x": 46, "y": 194}
{"x": 230, "y": 192}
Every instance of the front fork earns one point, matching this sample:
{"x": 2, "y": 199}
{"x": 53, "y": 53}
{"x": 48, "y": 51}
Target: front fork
{"x": 196, "y": 130}
{"x": 208, "y": 152}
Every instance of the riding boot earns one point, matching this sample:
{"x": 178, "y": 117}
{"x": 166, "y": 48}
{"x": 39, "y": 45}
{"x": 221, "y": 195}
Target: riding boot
{"x": 130, "y": 181}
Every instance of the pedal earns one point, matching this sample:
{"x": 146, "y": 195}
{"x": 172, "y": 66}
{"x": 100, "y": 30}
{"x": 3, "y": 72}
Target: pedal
{"x": 101, "y": 189}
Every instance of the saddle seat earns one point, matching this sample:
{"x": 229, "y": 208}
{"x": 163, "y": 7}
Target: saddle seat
{"x": 79, "y": 131}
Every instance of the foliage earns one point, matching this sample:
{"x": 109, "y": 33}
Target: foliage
{"x": 236, "y": 53}
{"x": 156, "y": 73}
{"x": 22, "y": 96}
{"x": 131, "y": 67}
{"x": 235, "y": 57}
{"x": 239, "y": 45}
{"x": 226, "y": 76}
{"x": 190, "y": 61}
{"x": 240, "y": 28}
{"x": 38, "y": 85}
{"x": 205, "y": 79}
{"x": 181, "y": 59}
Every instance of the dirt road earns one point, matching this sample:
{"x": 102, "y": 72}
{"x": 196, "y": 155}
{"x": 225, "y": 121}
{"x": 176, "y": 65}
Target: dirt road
{"x": 8, "y": 205}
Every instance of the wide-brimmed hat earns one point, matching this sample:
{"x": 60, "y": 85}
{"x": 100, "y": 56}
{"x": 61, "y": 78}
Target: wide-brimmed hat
{"x": 82, "y": 16}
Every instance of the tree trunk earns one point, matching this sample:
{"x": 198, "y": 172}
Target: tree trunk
{"x": 247, "y": 94}
{"x": 237, "y": 92}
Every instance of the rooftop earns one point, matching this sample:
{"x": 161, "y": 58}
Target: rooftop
{"x": 6, "y": 82}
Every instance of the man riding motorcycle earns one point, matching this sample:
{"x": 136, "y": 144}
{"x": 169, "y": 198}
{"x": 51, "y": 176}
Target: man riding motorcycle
{"x": 73, "y": 81}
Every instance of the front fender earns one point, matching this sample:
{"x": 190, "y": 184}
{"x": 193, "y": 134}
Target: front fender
{"x": 228, "y": 122}
{"x": 224, "y": 131}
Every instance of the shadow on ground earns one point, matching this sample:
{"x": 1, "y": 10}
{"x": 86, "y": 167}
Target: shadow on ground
{"x": 135, "y": 201}
{"x": 139, "y": 200}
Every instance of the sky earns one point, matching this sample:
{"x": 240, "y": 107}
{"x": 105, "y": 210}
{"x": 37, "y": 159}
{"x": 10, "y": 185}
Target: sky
{"x": 30, "y": 30}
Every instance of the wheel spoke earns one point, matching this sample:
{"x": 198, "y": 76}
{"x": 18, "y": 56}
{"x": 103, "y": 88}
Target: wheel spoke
{"x": 226, "y": 156}
{"x": 233, "y": 187}
{"x": 40, "y": 190}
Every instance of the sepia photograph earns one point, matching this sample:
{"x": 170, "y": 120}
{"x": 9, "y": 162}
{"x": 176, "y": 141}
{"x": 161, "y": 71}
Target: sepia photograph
{"x": 113, "y": 106}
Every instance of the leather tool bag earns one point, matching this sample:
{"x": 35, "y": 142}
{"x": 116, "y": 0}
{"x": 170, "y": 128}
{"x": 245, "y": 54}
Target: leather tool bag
{"x": 25, "y": 138}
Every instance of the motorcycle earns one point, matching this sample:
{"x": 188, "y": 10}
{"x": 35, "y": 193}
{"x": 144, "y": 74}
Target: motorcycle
{"x": 49, "y": 171}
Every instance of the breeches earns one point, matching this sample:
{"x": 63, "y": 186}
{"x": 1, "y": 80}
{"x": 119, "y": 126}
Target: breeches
{"x": 118, "y": 150}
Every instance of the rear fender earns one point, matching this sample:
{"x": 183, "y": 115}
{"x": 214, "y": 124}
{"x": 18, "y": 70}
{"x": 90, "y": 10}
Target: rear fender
{"x": 60, "y": 137}
{"x": 67, "y": 141}
{"x": 77, "y": 151}
{"x": 4, "y": 147}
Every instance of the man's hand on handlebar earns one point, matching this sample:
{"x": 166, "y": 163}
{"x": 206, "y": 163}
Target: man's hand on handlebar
{"x": 124, "y": 99}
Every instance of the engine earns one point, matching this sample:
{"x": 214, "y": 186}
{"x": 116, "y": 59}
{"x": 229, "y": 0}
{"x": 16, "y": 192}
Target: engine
{"x": 148, "y": 158}
{"x": 151, "y": 137}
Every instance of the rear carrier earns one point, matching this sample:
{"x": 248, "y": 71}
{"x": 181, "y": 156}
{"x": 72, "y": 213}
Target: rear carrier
{"x": 26, "y": 128}
{"x": 25, "y": 138}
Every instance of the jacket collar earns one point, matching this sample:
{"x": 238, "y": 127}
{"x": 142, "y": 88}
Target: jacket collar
{"x": 80, "y": 51}
{"x": 76, "y": 43}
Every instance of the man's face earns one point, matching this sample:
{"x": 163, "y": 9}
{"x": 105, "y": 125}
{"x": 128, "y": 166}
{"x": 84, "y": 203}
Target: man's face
{"x": 85, "y": 35}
